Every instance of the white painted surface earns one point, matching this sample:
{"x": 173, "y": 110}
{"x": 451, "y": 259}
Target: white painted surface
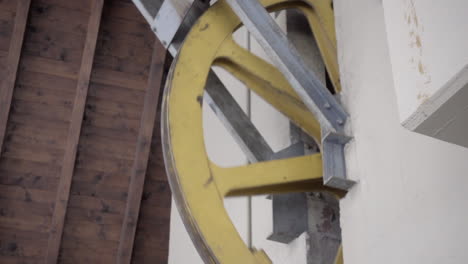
{"x": 427, "y": 42}
{"x": 409, "y": 206}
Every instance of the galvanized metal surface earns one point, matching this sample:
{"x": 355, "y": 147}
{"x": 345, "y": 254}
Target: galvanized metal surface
{"x": 289, "y": 217}
{"x": 324, "y": 235}
{"x": 314, "y": 94}
{"x": 334, "y": 165}
{"x": 236, "y": 121}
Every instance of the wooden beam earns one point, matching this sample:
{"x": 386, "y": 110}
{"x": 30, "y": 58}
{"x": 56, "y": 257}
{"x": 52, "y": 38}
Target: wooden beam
{"x": 137, "y": 180}
{"x": 63, "y": 192}
{"x": 14, "y": 54}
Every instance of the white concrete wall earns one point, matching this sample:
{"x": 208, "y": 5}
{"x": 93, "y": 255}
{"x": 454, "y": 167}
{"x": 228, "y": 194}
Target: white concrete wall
{"x": 410, "y": 203}
{"x": 427, "y": 43}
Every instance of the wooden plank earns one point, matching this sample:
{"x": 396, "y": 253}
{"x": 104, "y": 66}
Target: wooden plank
{"x": 93, "y": 203}
{"x": 124, "y": 65}
{"x": 103, "y": 164}
{"x": 28, "y": 181}
{"x": 109, "y": 134}
{"x": 140, "y": 164}
{"x": 62, "y": 19}
{"x": 45, "y": 111}
{"x": 28, "y": 167}
{"x": 14, "y": 192}
{"x": 6, "y": 15}
{"x": 63, "y": 193}
{"x": 42, "y": 96}
{"x": 87, "y": 230}
{"x": 9, "y": 5}
{"x": 45, "y": 50}
{"x": 97, "y": 247}
{"x": 22, "y": 259}
{"x": 106, "y": 192}
{"x": 85, "y": 255}
{"x": 119, "y": 79}
{"x": 14, "y": 54}
{"x": 82, "y": 5}
{"x": 21, "y": 248}
{"x": 127, "y": 111}
{"x": 111, "y": 122}
{"x": 46, "y": 83}
{"x": 48, "y": 66}
{"x": 33, "y": 153}
{"x": 120, "y": 180}
{"x": 45, "y": 125}
{"x": 36, "y": 135}
{"x": 94, "y": 216}
{"x": 119, "y": 94}
{"x": 119, "y": 151}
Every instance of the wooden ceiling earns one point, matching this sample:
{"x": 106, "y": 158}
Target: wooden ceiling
{"x": 81, "y": 171}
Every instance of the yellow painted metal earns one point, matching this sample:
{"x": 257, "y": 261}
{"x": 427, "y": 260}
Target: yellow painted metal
{"x": 268, "y": 82}
{"x": 294, "y": 174}
{"x": 339, "y": 256}
{"x": 198, "y": 185}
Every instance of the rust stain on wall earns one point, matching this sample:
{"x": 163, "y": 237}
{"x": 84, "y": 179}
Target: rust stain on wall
{"x": 416, "y": 43}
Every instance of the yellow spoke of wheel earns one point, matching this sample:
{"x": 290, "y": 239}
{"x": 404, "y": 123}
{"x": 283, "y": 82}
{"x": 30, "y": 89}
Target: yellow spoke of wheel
{"x": 268, "y": 82}
{"x": 289, "y": 175}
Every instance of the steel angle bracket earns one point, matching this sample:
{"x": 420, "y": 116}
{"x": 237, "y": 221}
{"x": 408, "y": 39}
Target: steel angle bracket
{"x": 328, "y": 111}
{"x": 334, "y": 164}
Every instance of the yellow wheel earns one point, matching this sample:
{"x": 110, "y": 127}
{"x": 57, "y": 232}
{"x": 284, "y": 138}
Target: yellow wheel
{"x": 198, "y": 185}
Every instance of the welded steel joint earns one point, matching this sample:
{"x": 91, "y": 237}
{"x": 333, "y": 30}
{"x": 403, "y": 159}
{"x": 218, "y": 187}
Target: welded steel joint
{"x": 329, "y": 112}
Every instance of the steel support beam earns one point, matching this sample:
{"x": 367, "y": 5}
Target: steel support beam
{"x": 315, "y": 95}
{"x": 236, "y": 121}
{"x": 318, "y": 99}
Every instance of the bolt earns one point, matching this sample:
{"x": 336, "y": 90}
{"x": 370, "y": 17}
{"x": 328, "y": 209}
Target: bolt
{"x": 327, "y": 106}
{"x": 340, "y": 122}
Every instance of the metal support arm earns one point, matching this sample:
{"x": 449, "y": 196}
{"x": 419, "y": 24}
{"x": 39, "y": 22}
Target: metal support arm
{"x": 317, "y": 98}
{"x": 285, "y": 56}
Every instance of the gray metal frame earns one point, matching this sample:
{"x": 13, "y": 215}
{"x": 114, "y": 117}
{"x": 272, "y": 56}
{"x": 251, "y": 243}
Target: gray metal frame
{"x": 318, "y": 99}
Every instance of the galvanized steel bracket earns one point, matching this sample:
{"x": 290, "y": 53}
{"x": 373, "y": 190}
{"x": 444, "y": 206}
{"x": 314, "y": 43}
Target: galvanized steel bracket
{"x": 329, "y": 112}
{"x": 289, "y": 217}
{"x": 334, "y": 164}
{"x": 286, "y": 58}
